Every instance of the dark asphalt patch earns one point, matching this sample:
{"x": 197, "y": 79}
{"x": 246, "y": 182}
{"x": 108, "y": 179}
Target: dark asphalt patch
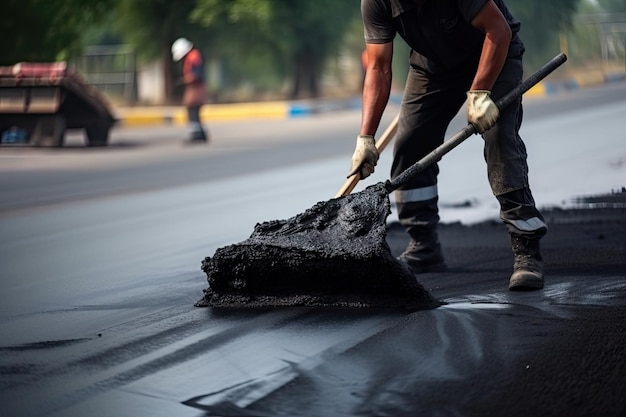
{"x": 333, "y": 254}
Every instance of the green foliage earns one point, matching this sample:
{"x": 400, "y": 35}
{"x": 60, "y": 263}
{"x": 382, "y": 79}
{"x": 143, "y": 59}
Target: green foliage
{"x": 239, "y": 41}
{"x": 542, "y": 23}
{"x": 299, "y": 35}
{"x": 46, "y": 30}
{"x": 612, "y": 5}
{"x": 597, "y": 38}
{"x": 221, "y": 13}
{"x": 152, "y": 25}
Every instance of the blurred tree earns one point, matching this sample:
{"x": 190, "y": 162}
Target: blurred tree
{"x": 597, "y": 36}
{"x": 583, "y": 38}
{"x": 542, "y": 23}
{"x": 612, "y": 5}
{"x": 302, "y": 34}
{"x": 46, "y": 30}
{"x": 239, "y": 34}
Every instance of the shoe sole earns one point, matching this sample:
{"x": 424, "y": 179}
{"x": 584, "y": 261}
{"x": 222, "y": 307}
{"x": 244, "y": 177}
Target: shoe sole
{"x": 525, "y": 284}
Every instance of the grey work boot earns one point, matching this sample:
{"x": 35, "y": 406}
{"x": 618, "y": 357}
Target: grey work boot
{"x": 424, "y": 255}
{"x": 528, "y": 268}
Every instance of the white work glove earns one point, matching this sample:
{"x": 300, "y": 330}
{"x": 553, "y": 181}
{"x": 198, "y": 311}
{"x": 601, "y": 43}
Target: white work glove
{"x": 365, "y": 156}
{"x": 482, "y": 112}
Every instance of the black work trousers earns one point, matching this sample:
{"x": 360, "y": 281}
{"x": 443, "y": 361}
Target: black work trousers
{"x": 429, "y": 103}
{"x": 196, "y": 131}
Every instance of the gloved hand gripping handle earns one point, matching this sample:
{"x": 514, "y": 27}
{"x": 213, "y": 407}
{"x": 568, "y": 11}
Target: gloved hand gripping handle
{"x": 470, "y": 130}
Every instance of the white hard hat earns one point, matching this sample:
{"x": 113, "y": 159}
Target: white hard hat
{"x": 180, "y": 48}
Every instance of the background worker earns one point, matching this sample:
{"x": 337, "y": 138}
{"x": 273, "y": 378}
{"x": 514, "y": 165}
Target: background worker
{"x": 460, "y": 51}
{"x": 195, "y": 87}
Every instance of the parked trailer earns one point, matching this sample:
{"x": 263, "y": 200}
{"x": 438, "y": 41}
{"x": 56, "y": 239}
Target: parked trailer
{"x": 39, "y": 102}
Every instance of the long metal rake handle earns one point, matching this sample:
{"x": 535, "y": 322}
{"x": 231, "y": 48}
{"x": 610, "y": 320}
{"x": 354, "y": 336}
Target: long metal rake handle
{"x": 470, "y": 130}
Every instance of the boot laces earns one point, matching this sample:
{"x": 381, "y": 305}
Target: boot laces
{"x": 527, "y": 262}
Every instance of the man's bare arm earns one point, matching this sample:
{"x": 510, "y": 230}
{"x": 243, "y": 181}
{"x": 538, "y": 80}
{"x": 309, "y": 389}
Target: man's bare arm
{"x": 495, "y": 48}
{"x": 377, "y": 86}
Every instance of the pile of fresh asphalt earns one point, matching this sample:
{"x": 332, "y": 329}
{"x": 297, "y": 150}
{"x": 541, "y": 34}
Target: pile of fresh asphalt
{"x": 333, "y": 254}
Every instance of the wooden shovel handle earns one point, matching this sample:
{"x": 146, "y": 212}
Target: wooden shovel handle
{"x": 381, "y": 144}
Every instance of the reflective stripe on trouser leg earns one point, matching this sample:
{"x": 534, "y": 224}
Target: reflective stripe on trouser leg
{"x": 518, "y": 212}
{"x": 417, "y": 207}
{"x": 418, "y": 211}
{"x": 416, "y": 194}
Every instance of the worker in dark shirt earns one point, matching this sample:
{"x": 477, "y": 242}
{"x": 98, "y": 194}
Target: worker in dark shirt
{"x": 461, "y": 51}
{"x": 195, "y": 86}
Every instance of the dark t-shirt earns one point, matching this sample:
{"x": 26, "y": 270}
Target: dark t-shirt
{"x": 439, "y": 32}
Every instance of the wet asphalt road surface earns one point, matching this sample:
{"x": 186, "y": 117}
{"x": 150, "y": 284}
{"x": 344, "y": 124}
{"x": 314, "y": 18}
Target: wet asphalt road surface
{"x": 100, "y": 276}
{"x": 487, "y": 351}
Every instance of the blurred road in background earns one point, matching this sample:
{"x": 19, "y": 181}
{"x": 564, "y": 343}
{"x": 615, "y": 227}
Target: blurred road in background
{"x": 100, "y": 250}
